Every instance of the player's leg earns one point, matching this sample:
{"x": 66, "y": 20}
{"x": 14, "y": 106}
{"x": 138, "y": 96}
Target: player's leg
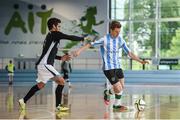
{"x": 118, "y": 89}
{"x": 10, "y": 78}
{"x": 43, "y": 76}
{"x": 108, "y": 91}
{"x": 66, "y": 90}
{"x": 59, "y": 89}
{"x": 32, "y": 91}
{"x": 60, "y": 81}
{"x": 66, "y": 77}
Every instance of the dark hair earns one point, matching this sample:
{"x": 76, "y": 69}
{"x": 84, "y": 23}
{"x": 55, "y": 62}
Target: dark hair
{"x": 53, "y": 21}
{"x": 115, "y": 24}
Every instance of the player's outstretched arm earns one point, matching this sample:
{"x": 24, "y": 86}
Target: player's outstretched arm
{"x": 134, "y": 57}
{"x": 77, "y": 52}
{"x": 64, "y": 57}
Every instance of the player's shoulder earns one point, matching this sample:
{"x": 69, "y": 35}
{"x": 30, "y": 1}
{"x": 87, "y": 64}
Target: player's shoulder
{"x": 120, "y": 38}
{"x": 56, "y": 32}
{"x": 105, "y": 36}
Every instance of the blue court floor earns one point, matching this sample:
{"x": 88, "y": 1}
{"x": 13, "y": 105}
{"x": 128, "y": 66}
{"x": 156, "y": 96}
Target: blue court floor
{"x": 85, "y": 101}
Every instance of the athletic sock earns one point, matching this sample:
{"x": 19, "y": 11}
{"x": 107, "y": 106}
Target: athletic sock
{"x": 59, "y": 90}
{"x": 31, "y": 92}
{"x": 117, "y": 101}
{"x": 110, "y": 91}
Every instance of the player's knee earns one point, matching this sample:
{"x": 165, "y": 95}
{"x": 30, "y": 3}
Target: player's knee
{"x": 60, "y": 81}
{"x": 40, "y": 85}
{"x": 117, "y": 89}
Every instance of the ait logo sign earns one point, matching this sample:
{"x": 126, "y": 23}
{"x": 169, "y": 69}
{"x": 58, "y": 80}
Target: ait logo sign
{"x": 16, "y": 20}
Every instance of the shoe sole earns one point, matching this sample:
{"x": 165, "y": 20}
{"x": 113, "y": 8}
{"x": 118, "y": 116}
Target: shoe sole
{"x": 62, "y": 110}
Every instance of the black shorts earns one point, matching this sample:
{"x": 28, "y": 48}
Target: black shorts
{"x": 66, "y": 74}
{"x": 114, "y": 75}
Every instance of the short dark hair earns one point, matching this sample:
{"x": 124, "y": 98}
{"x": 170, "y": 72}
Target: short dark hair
{"x": 115, "y": 24}
{"x": 53, "y": 21}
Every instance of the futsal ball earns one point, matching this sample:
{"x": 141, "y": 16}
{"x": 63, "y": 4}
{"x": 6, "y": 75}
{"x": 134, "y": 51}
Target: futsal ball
{"x": 140, "y": 104}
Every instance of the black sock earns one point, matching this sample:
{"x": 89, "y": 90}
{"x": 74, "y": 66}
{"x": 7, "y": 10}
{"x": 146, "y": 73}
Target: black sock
{"x": 59, "y": 90}
{"x": 31, "y": 92}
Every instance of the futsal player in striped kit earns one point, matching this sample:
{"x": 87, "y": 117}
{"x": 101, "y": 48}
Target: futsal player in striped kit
{"x": 45, "y": 68}
{"x": 110, "y": 46}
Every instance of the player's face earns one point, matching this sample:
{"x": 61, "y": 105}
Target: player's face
{"x": 57, "y": 28}
{"x": 115, "y": 32}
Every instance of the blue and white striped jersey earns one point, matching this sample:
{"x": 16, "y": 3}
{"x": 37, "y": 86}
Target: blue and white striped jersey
{"x": 110, "y": 49}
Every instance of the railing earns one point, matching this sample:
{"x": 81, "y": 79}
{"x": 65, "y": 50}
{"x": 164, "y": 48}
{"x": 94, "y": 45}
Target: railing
{"x": 88, "y": 64}
{"x": 131, "y": 76}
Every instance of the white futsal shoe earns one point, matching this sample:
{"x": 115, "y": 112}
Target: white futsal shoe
{"x": 61, "y": 108}
{"x": 22, "y": 104}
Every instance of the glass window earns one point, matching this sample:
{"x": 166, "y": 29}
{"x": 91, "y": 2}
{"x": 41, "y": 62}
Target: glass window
{"x": 143, "y": 9}
{"x": 143, "y": 39}
{"x": 145, "y": 35}
{"x": 170, "y": 8}
{"x": 118, "y": 8}
{"x": 170, "y": 32}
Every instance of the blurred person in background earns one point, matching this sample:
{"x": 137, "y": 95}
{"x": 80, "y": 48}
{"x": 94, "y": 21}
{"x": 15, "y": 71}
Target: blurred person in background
{"x": 10, "y": 68}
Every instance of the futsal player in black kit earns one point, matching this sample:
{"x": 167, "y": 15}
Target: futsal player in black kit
{"x": 45, "y": 68}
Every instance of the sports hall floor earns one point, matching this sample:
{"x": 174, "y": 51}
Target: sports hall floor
{"x": 86, "y": 102}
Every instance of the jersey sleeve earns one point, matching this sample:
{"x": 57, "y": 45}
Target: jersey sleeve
{"x": 58, "y": 57}
{"x": 97, "y": 42}
{"x": 124, "y": 45}
{"x": 61, "y": 35}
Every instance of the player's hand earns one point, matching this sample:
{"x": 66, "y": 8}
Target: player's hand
{"x": 90, "y": 38}
{"x": 144, "y": 62}
{"x": 87, "y": 38}
{"x": 66, "y": 57}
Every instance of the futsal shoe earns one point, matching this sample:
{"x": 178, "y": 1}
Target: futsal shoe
{"x": 119, "y": 108}
{"x": 61, "y": 108}
{"x": 106, "y": 97}
{"x": 22, "y": 104}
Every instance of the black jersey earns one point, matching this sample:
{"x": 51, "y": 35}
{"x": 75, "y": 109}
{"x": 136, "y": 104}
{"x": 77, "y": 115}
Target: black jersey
{"x": 50, "y": 46}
